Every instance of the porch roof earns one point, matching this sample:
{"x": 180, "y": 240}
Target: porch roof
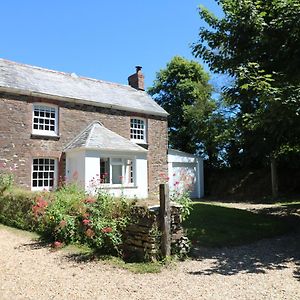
{"x": 97, "y": 137}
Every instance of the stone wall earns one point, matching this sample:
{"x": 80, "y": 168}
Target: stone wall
{"x": 18, "y": 146}
{"x": 142, "y": 237}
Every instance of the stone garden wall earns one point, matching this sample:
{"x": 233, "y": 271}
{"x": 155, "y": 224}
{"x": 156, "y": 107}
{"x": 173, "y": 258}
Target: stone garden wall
{"x": 143, "y": 236}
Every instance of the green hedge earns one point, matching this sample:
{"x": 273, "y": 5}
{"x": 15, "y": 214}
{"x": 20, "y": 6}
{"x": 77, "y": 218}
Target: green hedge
{"x": 16, "y": 209}
{"x": 68, "y": 215}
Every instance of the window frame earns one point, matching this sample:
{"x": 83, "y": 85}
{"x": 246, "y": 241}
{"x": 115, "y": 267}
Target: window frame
{"x": 43, "y": 132}
{"x": 42, "y": 188}
{"x": 123, "y": 162}
{"x": 136, "y": 140}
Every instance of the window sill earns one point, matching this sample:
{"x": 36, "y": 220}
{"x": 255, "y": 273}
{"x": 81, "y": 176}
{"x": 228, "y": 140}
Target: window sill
{"x": 142, "y": 142}
{"x": 42, "y": 189}
{"x": 45, "y": 137}
{"x": 117, "y": 186}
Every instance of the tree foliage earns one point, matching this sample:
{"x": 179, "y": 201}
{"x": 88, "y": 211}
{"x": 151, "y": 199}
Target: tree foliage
{"x": 182, "y": 89}
{"x": 257, "y": 43}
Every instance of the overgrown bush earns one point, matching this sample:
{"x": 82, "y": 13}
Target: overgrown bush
{"x": 6, "y": 180}
{"x": 16, "y": 209}
{"x": 57, "y": 218}
{"x": 106, "y": 219}
{"x": 74, "y": 217}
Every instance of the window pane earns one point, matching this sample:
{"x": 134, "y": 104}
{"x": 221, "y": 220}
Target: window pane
{"x": 137, "y": 129}
{"x": 44, "y": 115}
{"x": 128, "y": 176}
{"x": 42, "y": 173}
{"x": 117, "y": 177}
{"x": 104, "y": 170}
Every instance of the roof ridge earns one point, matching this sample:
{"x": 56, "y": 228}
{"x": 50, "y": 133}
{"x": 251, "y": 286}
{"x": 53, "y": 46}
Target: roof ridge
{"x": 92, "y": 125}
{"x": 67, "y": 74}
{"x": 82, "y": 132}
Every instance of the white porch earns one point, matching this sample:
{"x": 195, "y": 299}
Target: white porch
{"x": 101, "y": 159}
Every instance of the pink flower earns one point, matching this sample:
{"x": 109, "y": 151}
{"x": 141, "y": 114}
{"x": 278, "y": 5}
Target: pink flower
{"x": 41, "y": 202}
{"x": 57, "y": 244}
{"x": 86, "y": 221}
{"x": 62, "y": 223}
{"x": 89, "y": 200}
{"x": 106, "y": 230}
{"x": 39, "y": 208}
{"x": 89, "y": 233}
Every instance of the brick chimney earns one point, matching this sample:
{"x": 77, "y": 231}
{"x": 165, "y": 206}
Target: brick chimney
{"x": 137, "y": 80}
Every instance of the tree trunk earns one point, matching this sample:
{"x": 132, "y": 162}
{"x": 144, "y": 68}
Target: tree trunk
{"x": 274, "y": 178}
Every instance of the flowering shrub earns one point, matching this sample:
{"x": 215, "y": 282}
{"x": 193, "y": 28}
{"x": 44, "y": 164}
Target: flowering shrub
{"x": 73, "y": 217}
{"x": 39, "y": 208}
{"x": 107, "y": 218}
{"x": 180, "y": 192}
{"x": 58, "y": 218}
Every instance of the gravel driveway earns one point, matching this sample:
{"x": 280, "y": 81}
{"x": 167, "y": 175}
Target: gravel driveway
{"x": 269, "y": 269}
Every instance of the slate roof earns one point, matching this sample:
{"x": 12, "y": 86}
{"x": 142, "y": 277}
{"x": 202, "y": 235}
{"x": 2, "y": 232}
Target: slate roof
{"x": 29, "y": 80}
{"x": 98, "y": 137}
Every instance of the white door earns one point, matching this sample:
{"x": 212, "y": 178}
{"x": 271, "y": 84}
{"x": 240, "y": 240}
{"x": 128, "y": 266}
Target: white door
{"x": 184, "y": 177}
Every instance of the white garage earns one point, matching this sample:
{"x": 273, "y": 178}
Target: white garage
{"x": 186, "y": 173}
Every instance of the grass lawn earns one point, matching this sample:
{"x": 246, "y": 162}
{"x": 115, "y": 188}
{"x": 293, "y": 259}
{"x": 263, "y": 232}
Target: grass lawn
{"x": 216, "y": 226}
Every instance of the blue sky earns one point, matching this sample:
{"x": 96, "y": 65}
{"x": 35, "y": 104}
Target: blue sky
{"x": 100, "y": 39}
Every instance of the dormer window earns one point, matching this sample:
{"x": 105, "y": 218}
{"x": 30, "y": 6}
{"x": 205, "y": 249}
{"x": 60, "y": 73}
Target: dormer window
{"x": 138, "y": 133}
{"x": 45, "y": 120}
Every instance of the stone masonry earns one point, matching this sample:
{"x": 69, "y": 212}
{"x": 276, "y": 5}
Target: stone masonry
{"x": 18, "y": 146}
{"x": 142, "y": 238}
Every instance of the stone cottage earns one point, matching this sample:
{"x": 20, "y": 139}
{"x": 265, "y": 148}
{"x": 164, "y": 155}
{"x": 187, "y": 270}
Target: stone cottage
{"x": 58, "y": 126}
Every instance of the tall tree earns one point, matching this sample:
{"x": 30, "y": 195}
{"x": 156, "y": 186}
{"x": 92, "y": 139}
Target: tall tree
{"x": 257, "y": 43}
{"x": 182, "y": 89}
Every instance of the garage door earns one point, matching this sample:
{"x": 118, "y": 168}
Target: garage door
{"x": 185, "y": 177}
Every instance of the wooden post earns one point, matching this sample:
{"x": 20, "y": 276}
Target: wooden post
{"x": 165, "y": 215}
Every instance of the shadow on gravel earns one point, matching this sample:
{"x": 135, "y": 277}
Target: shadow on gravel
{"x": 80, "y": 257}
{"x": 268, "y": 254}
{"x": 34, "y": 245}
{"x": 292, "y": 211}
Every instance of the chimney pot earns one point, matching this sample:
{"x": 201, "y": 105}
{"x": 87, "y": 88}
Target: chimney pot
{"x": 138, "y": 68}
